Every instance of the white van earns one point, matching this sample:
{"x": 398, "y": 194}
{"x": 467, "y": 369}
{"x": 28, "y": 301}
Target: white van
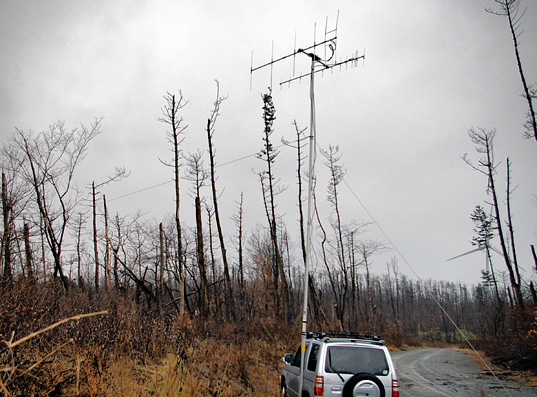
{"x": 341, "y": 365}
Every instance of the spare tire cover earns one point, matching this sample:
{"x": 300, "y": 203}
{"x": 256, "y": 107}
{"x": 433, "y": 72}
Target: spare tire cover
{"x": 364, "y": 384}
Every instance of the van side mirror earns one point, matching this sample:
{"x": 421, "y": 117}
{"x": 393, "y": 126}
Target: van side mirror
{"x": 288, "y": 358}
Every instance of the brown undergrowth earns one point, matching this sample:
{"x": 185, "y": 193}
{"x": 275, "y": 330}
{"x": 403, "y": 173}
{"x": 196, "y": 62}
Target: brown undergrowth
{"x": 137, "y": 349}
{"x": 132, "y": 349}
{"x": 524, "y": 377}
{"x": 515, "y": 351}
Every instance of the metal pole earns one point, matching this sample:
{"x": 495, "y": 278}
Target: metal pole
{"x": 309, "y": 231}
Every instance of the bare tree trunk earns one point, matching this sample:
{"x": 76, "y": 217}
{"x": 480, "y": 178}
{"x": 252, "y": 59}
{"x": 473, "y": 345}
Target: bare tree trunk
{"x": 211, "y": 247}
{"x": 116, "y": 253}
{"x": 510, "y": 9}
{"x": 268, "y": 154}
{"x": 216, "y": 291}
{"x": 55, "y": 245}
{"x": 95, "y": 247}
{"x": 531, "y": 122}
{"x": 369, "y": 296}
{"x": 331, "y": 277}
{"x": 171, "y": 117}
{"x": 533, "y": 293}
{"x": 337, "y": 173}
{"x": 28, "y": 253}
{"x": 532, "y": 247}
{"x": 510, "y": 224}
{"x": 161, "y": 266}
{"x": 230, "y": 304}
{"x": 79, "y": 279}
{"x": 240, "y": 237}
{"x": 274, "y": 260}
{"x": 107, "y": 273}
{"x": 319, "y": 315}
{"x": 200, "y": 252}
{"x": 43, "y": 253}
{"x": 179, "y": 247}
{"x": 512, "y": 272}
{"x": 484, "y": 141}
{"x": 119, "y": 174}
{"x": 6, "y": 238}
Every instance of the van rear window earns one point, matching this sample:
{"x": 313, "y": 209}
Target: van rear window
{"x": 351, "y": 360}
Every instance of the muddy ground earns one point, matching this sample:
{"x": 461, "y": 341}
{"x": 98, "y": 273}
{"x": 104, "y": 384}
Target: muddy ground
{"x": 450, "y": 372}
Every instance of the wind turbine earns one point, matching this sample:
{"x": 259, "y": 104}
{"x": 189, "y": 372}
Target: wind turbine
{"x": 485, "y": 247}
{"x": 481, "y": 247}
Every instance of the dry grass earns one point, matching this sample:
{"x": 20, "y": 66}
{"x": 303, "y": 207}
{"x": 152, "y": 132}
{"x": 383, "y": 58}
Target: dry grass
{"x": 134, "y": 350}
{"x": 14, "y": 369}
{"x": 131, "y": 350}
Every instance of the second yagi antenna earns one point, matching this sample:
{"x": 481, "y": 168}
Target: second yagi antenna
{"x": 328, "y": 60}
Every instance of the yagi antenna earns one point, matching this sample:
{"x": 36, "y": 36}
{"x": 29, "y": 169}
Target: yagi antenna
{"x": 328, "y": 62}
{"x": 318, "y": 64}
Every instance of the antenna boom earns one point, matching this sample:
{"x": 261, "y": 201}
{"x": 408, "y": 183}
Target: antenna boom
{"x": 291, "y": 55}
{"x": 327, "y": 67}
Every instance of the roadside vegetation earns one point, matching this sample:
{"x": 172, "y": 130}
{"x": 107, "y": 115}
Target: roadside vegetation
{"x": 135, "y": 349}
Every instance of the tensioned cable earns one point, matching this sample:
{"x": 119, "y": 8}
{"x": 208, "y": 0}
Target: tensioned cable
{"x": 140, "y": 191}
{"x": 170, "y": 181}
{"x": 419, "y": 278}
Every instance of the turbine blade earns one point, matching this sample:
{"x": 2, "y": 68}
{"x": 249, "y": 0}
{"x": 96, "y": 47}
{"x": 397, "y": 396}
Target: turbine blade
{"x": 467, "y": 253}
{"x": 495, "y": 250}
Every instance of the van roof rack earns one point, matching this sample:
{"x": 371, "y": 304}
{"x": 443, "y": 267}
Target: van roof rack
{"x": 346, "y": 335}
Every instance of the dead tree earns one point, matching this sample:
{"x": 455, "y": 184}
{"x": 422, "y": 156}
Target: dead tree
{"x": 337, "y": 173}
{"x": 511, "y": 10}
{"x": 6, "y": 237}
{"x": 95, "y": 247}
{"x": 120, "y": 173}
{"x": 107, "y": 273}
{"x": 28, "y": 254}
{"x": 172, "y": 118}
{"x": 238, "y": 218}
{"x": 78, "y": 241}
{"x": 53, "y": 157}
{"x": 211, "y": 121}
{"x": 270, "y": 190}
{"x": 115, "y": 251}
{"x": 198, "y": 176}
{"x": 483, "y": 141}
{"x": 160, "y": 283}
{"x": 318, "y": 313}
{"x": 15, "y": 196}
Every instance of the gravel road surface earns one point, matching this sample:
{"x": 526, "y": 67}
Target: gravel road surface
{"x": 449, "y": 372}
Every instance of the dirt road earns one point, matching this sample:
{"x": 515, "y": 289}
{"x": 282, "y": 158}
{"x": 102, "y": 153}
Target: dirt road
{"x": 449, "y": 372}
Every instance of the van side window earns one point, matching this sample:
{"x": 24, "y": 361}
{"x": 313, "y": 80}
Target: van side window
{"x": 312, "y": 361}
{"x": 296, "y": 359}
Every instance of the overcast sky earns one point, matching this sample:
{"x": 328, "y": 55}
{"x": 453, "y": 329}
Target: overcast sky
{"x": 433, "y": 69}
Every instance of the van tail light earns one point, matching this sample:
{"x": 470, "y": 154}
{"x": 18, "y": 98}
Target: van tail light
{"x": 395, "y": 388}
{"x": 318, "y": 389}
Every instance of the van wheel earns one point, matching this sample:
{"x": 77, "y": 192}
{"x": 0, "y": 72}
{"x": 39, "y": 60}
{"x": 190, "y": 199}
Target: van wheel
{"x": 283, "y": 389}
{"x": 364, "y": 384}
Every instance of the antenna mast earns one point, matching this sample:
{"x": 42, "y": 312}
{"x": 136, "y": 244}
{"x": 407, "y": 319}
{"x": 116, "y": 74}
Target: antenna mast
{"x": 318, "y": 64}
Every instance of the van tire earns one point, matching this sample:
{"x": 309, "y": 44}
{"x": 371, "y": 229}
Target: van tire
{"x": 283, "y": 388}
